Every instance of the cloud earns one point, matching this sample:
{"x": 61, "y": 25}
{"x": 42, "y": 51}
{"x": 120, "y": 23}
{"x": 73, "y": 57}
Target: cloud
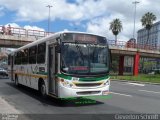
{"x": 61, "y": 9}
{"x": 36, "y": 10}
{"x": 97, "y": 14}
{"x": 124, "y": 10}
{"x": 15, "y": 25}
{"x": 1, "y": 11}
{"x": 28, "y": 27}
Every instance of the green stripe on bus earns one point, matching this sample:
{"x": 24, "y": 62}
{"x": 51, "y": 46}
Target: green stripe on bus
{"x": 64, "y": 76}
{"x": 83, "y": 79}
{"x": 94, "y": 78}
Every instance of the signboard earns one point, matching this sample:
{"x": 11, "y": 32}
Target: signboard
{"x": 83, "y": 38}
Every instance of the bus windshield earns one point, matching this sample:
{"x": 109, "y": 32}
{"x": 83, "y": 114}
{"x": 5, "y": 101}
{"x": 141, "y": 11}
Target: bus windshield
{"x": 84, "y": 59}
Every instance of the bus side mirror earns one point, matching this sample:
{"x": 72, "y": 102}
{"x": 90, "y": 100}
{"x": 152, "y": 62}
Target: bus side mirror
{"x": 58, "y": 48}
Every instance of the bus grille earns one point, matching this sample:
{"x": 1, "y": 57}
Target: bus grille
{"x": 87, "y": 84}
{"x": 88, "y": 92}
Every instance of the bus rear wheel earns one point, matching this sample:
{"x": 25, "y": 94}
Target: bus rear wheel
{"x": 43, "y": 90}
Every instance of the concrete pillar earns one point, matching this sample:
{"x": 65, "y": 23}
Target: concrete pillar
{"x": 121, "y": 64}
{"x": 136, "y": 64}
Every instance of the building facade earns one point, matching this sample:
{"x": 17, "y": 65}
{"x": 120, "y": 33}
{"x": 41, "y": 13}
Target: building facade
{"x": 153, "y": 41}
{"x": 154, "y": 36}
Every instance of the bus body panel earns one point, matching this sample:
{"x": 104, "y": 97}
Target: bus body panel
{"x": 30, "y": 74}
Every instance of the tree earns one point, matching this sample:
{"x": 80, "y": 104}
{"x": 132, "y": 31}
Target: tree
{"x": 147, "y": 21}
{"x": 116, "y": 27}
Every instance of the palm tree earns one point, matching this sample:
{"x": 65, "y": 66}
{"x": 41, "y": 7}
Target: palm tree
{"x": 147, "y": 21}
{"x": 116, "y": 27}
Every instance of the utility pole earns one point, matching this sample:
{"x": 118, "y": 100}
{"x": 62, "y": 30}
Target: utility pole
{"x": 49, "y": 6}
{"x": 135, "y": 4}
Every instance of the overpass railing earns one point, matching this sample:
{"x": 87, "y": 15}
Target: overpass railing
{"x": 124, "y": 44}
{"x": 21, "y": 32}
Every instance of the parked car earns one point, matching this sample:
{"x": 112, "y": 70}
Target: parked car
{"x": 3, "y": 72}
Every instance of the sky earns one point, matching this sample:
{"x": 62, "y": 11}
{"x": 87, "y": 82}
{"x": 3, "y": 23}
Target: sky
{"x": 93, "y": 16}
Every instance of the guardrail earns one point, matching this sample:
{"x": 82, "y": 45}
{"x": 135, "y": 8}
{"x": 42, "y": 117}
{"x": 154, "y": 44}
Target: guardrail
{"x": 37, "y": 34}
{"x": 124, "y": 44}
{"x": 21, "y": 32}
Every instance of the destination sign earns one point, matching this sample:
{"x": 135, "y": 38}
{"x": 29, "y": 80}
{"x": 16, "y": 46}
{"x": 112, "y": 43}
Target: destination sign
{"x": 83, "y": 38}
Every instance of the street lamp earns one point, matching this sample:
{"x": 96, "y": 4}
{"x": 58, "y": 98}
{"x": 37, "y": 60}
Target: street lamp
{"x": 49, "y": 6}
{"x": 135, "y": 3}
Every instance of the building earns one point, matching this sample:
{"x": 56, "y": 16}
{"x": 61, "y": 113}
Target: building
{"x": 153, "y": 41}
{"x": 154, "y": 36}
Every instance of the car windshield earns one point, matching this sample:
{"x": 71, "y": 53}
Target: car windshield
{"x": 85, "y": 59}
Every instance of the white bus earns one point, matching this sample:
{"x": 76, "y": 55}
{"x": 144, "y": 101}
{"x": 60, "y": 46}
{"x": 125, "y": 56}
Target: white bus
{"x": 65, "y": 64}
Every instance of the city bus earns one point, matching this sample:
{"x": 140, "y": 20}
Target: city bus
{"x": 62, "y": 65}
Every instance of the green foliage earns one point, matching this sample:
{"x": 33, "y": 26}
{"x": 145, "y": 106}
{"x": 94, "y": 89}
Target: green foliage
{"x": 115, "y": 63}
{"x": 147, "y": 20}
{"x": 140, "y": 78}
{"x": 116, "y": 26}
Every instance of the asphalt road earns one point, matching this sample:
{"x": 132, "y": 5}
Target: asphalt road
{"x": 125, "y": 98}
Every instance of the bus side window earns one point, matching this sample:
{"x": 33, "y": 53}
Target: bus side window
{"x": 41, "y": 53}
{"x": 18, "y": 58}
{"x": 9, "y": 59}
{"x": 33, "y": 55}
{"x": 25, "y": 56}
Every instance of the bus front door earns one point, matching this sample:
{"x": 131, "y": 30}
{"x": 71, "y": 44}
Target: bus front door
{"x": 52, "y": 69}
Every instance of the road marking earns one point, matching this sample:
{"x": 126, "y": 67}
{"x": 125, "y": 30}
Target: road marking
{"x": 121, "y": 94}
{"x": 136, "y": 84}
{"x": 149, "y": 91}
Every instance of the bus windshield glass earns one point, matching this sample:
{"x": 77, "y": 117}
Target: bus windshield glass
{"x": 83, "y": 58}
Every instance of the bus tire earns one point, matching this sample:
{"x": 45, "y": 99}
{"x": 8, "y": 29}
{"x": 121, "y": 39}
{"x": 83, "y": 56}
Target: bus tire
{"x": 16, "y": 81}
{"x": 43, "y": 90}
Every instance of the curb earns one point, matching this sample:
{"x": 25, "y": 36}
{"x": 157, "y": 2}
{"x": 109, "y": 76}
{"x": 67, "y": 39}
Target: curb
{"x": 6, "y": 108}
{"x": 135, "y": 81}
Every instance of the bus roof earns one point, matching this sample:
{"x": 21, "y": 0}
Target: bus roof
{"x": 52, "y": 36}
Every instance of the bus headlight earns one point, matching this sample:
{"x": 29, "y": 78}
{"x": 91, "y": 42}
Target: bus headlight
{"x": 66, "y": 83}
{"x": 106, "y": 83}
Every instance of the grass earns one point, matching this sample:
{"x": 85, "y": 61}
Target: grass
{"x": 140, "y": 78}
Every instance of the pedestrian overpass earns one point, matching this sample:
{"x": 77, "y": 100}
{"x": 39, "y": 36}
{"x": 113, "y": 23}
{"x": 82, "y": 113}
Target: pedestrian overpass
{"x": 20, "y": 37}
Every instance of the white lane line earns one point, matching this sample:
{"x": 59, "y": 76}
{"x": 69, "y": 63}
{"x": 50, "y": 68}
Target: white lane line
{"x": 136, "y": 84}
{"x": 121, "y": 94}
{"x": 149, "y": 91}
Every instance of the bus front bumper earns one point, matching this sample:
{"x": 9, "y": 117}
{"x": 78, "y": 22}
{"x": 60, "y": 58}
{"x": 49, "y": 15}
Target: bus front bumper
{"x": 65, "y": 92}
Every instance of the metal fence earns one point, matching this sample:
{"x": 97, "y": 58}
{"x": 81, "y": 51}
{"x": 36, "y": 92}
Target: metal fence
{"x": 21, "y": 32}
{"x": 125, "y": 44}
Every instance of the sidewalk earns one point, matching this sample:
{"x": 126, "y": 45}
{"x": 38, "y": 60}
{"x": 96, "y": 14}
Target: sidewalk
{"x": 6, "y": 108}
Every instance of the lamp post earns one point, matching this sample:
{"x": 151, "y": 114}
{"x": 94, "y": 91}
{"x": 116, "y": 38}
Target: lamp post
{"x": 49, "y": 6}
{"x": 135, "y": 3}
